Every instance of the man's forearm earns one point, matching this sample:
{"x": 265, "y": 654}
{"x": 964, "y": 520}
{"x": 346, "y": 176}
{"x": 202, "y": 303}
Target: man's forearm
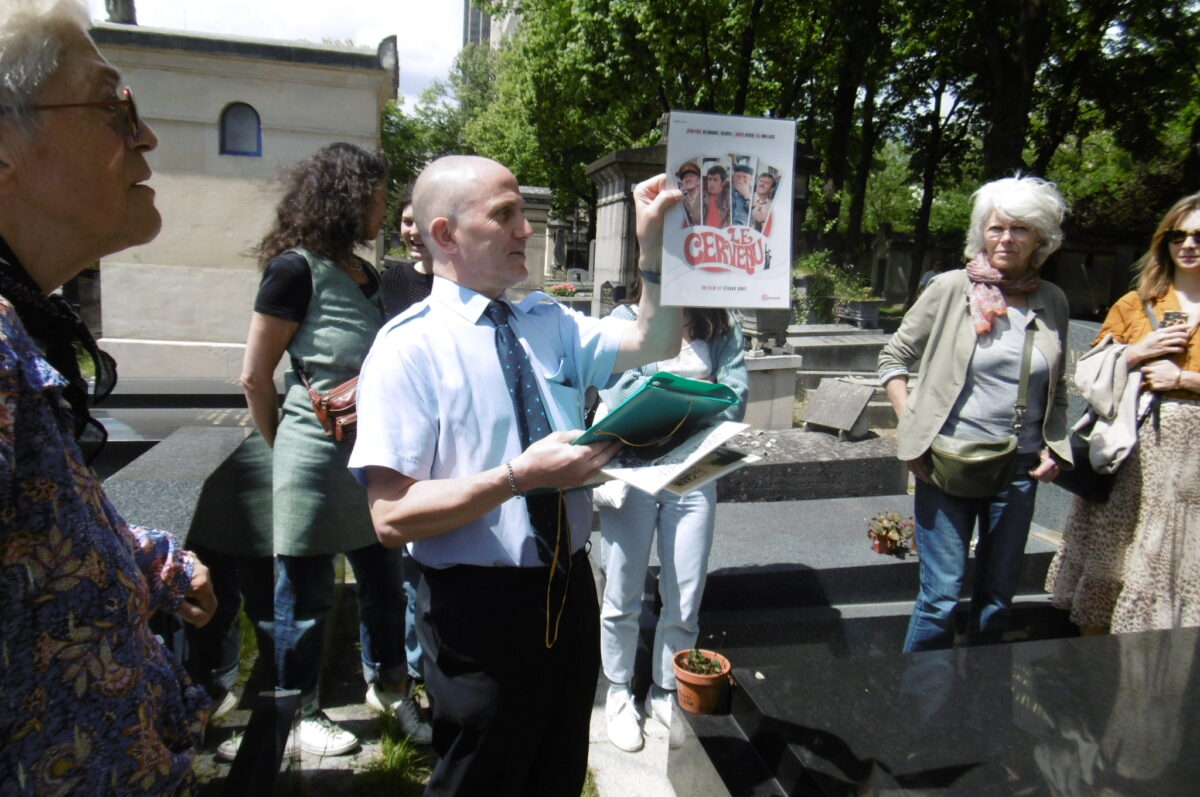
{"x": 404, "y": 510}
{"x": 655, "y": 335}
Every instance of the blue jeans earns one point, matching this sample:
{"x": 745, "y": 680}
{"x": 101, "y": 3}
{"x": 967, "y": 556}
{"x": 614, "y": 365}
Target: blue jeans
{"x": 412, "y": 647}
{"x": 944, "y": 526}
{"x": 303, "y": 598}
{"x": 211, "y": 653}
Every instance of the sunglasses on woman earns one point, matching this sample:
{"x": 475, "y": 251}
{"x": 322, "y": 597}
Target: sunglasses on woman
{"x": 1177, "y": 237}
{"x": 128, "y": 122}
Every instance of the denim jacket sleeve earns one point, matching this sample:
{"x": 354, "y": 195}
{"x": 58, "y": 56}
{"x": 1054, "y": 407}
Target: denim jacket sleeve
{"x": 729, "y": 354}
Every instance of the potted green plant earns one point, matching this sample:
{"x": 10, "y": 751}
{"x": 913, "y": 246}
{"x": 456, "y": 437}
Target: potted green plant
{"x": 889, "y": 532}
{"x": 826, "y": 291}
{"x": 701, "y": 679}
{"x": 858, "y": 307}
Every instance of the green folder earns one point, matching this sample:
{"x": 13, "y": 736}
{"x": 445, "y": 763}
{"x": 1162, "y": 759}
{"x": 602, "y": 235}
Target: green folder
{"x": 662, "y": 408}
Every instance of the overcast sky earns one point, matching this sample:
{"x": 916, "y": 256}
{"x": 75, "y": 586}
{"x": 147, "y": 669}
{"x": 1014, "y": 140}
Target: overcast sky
{"x": 428, "y": 32}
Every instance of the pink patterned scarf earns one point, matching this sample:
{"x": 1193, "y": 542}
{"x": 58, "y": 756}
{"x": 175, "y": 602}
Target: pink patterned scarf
{"x": 988, "y": 286}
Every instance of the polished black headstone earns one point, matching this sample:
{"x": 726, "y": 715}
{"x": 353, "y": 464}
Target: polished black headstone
{"x": 1114, "y": 715}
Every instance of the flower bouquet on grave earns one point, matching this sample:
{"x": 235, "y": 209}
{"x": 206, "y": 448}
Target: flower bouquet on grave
{"x": 890, "y": 534}
{"x": 562, "y": 289}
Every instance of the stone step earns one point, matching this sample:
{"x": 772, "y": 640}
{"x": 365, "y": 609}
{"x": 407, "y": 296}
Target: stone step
{"x": 807, "y": 379}
{"x": 851, "y": 352}
{"x": 817, "y": 553}
{"x": 819, "y": 330}
{"x": 852, "y": 630}
{"x": 775, "y": 561}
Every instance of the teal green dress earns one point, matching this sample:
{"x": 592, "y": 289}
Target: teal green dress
{"x": 319, "y": 508}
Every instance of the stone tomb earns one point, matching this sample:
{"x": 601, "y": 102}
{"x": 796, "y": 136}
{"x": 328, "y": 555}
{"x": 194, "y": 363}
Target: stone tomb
{"x": 798, "y": 464}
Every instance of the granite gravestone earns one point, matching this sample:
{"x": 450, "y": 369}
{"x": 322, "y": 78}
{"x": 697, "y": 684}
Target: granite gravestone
{"x": 611, "y": 294}
{"x": 840, "y": 404}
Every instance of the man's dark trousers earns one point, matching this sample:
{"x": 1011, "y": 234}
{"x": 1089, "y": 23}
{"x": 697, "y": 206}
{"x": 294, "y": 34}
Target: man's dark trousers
{"x": 511, "y": 717}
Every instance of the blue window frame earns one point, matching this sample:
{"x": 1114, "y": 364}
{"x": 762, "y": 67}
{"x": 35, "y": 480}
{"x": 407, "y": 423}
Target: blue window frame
{"x": 241, "y": 131}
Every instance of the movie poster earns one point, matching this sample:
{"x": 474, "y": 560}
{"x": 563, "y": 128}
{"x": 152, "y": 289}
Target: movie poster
{"x": 728, "y": 243}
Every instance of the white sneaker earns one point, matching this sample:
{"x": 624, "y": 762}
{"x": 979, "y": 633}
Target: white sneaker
{"x": 228, "y": 703}
{"x": 227, "y": 750}
{"x": 624, "y": 725}
{"x": 318, "y": 735}
{"x": 660, "y": 704}
{"x": 406, "y": 711}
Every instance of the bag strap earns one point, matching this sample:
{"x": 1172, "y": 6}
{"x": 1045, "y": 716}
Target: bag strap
{"x": 1023, "y": 390}
{"x": 1150, "y": 315}
{"x": 1152, "y": 406}
{"x": 299, "y": 369}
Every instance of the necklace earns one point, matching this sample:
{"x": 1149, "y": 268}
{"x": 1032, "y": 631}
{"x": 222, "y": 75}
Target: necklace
{"x": 351, "y": 266}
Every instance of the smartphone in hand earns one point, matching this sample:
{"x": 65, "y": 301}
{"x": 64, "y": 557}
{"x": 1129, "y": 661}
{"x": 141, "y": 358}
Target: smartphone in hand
{"x": 1173, "y": 317}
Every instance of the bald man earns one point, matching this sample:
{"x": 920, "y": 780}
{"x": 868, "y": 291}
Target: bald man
{"x": 510, "y": 634}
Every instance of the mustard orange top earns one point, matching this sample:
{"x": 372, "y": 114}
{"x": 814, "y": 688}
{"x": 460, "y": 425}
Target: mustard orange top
{"x": 1128, "y": 324}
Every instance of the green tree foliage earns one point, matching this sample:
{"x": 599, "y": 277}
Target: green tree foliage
{"x": 405, "y": 141}
{"x": 448, "y": 106}
{"x": 908, "y": 104}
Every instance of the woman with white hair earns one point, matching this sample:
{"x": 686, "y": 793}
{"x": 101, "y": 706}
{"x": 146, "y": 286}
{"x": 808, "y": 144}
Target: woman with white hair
{"x": 90, "y": 700}
{"x": 979, "y": 333}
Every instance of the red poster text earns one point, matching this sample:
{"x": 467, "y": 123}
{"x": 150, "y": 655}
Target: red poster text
{"x": 719, "y": 250}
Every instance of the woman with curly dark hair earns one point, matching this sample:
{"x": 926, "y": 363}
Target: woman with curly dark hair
{"x": 321, "y": 303}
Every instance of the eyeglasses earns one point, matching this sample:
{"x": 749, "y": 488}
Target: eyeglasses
{"x": 1177, "y": 237}
{"x": 1017, "y": 231}
{"x": 130, "y": 117}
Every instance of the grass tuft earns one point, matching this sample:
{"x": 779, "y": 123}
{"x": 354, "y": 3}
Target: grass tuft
{"x": 401, "y": 768}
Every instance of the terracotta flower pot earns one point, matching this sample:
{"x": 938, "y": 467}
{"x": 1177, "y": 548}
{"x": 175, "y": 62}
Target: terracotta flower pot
{"x": 700, "y": 694}
{"x": 883, "y": 544}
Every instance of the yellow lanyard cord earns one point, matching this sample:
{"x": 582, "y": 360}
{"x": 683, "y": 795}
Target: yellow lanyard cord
{"x": 558, "y": 535}
{"x": 550, "y": 582}
{"x": 662, "y": 439}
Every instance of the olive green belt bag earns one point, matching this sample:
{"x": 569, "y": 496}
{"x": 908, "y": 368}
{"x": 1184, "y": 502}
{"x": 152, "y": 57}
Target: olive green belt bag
{"x": 981, "y": 468}
{"x": 972, "y": 468}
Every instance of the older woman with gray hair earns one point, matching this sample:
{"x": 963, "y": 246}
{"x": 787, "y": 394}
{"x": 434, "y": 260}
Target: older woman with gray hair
{"x": 987, "y": 420}
{"x": 90, "y": 700}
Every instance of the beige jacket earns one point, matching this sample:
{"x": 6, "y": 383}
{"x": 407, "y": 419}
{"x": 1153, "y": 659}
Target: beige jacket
{"x": 1115, "y": 402}
{"x": 938, "y": 332}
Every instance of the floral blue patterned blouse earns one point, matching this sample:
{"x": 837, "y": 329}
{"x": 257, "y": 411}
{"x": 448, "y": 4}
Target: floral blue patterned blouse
{"x": 90, "y": 701}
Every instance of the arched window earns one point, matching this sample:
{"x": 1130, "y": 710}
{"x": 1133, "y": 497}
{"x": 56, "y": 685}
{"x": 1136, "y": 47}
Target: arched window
{"x": 241, "y": 133}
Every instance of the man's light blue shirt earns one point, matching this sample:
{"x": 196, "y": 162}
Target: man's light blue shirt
{"x": 433, "y": 404}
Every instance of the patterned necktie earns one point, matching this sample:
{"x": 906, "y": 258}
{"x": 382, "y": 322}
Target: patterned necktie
{"x": 532, "y": 425}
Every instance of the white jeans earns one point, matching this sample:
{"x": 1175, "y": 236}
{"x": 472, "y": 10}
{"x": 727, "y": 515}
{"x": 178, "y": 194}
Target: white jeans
{"x": 685, "y": 533}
